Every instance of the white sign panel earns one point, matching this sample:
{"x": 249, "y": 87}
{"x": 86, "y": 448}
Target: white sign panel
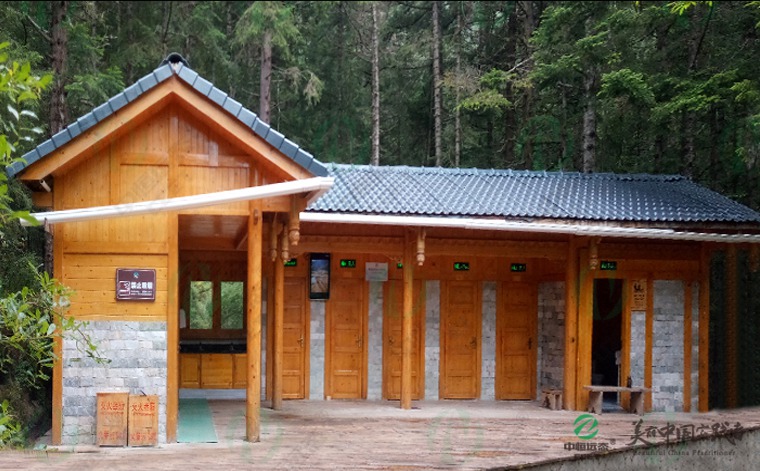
{"x": 374, "y": 271}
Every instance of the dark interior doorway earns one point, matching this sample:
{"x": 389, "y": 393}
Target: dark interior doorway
{"x": 607, "y": 342}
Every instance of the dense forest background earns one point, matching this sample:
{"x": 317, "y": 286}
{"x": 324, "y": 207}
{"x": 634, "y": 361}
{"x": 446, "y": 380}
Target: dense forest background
{"x": 660, "y": 87}
{"x": 634, "y": 86}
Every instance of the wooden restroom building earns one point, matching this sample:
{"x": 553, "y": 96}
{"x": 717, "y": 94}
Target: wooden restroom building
{"x": 208, "y": 251}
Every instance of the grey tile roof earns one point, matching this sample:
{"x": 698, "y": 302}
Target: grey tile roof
{"x": 201, "y": 85}
{"x": 525, "y": 194}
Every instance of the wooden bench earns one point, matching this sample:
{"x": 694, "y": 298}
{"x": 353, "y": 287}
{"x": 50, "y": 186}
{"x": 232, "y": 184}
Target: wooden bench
{"x": 596, "y": 393}
{"x": 551, "y": 398}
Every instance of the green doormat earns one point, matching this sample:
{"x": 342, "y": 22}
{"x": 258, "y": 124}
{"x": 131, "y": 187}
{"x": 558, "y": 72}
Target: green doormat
{"x": 195, "y": 424}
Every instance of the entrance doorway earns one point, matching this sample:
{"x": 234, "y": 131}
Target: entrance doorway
{"x": 607, "y": 344}
{"x": 346, "y": 350}
{"x": 461, "y": 328}
{"x": 295, "y": 339}
{"x": 516, "y": 314}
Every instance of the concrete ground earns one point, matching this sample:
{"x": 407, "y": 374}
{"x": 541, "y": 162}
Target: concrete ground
{"x": 361, "y": 435}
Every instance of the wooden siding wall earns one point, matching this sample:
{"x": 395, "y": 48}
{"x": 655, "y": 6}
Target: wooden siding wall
{"x": 170, "y": 154}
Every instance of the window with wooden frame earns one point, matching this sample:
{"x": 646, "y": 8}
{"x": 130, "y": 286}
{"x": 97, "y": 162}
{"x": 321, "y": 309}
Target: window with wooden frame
{"x": 213, "y": 299}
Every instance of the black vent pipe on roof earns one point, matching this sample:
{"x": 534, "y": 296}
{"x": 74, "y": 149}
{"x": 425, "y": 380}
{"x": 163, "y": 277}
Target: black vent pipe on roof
{"x": 173, "y": 59}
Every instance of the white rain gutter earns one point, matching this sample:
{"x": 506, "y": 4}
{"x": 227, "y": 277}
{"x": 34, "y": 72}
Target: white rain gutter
{"x": 597, "y": 230}
{"x": 317, "y": 186}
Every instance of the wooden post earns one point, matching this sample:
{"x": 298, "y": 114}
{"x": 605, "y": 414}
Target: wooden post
{"x": 571, "y": 325}
{"x": 253, "y": 327}
{"x": 585, "y": 329}
{"x": 625, "y": 333}
{"x": 279, "y": 314}
{"x": 704, "y": 329}
{"x": 407, "y": 325}
{"x": 649, "y": 327}
{"x": 57, "y": 233}
{"x": 173, "y": 284}
{"x": 172, "y": 331}
{"x": 732, "y": 394}
{"x": 687, "y": 307}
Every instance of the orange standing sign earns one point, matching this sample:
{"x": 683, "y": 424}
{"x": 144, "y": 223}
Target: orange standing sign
{"x": 112, "y": 419}
{"x": 143, "y": 420}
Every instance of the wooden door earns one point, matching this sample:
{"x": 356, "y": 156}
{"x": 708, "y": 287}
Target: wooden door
{"x": 516, "y": 315}
{"x": 346, "y": 353}
{"x": 460, "y": 340}
{"x": 295, "y": 339}
{"x": 393, "y": 312}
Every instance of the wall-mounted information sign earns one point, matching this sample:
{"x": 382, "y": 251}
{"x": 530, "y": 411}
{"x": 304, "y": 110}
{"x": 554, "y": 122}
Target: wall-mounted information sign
{"x": 518, "y": 267}
{"x": 293, "y": 262}
{"x": 461, "y": 266}
{"x": 347, "y": 263}
{"x": 374, "y": 271}
{"x": 319, "y": 276}
{"x": 135, "y": 284}
{"x": 608, "y": 265}
{"x": 639, "y": 295}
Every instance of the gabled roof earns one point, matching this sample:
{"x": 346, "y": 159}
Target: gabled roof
{"x": 173, "y": 65}
{"x": 425, "y": 191}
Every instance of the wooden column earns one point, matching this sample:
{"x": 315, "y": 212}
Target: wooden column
{"x": 279, "y": 314}
{"x": 172, "y": 331}
{"x": 704, "y": 329}
{"x": 585, "y": 329}
{"x": 649, "y": 327}
{"x": 407, "y": 325}
{"x": 57, "y": 234}
{"x": 571, "y": 325}
{"x": 173, "y": 282}
{"x": 687, "y": 308}
{"x": 253, "y": 328}
{"x": 625, "y": 328}
{"x": 732, "y": 394}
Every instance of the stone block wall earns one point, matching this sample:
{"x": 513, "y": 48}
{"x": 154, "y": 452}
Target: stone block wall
{"x": 375, "y": 342}
{"x": 667, "y": 348}
{"x": 550, "y": 356}
{"x": 638, "y": 346}
{"x": 488, "y": 342}
{"x": 432, "y": 338}
{"x": 317, "y": 352}
{"x": 137, "y": 351}
{"x": 695, "y": 348}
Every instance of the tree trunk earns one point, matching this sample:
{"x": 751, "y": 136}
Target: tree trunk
{"x": 375, "y": 158}
{"x": 589, "y": 123}
{"x": 457, "y": 112}
{"x": 59, "y": 50}
{"x": 266, "y": 78}
{"x": 437, "y": 85}
{"x": 510, "y": 118}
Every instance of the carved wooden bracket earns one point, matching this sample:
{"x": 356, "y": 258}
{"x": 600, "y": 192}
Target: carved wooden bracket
{"x": 273, "y": 233}
{"x": 421, "y": 247}
{"x": 294, "y": 223}
{"x": 285, "y": 246}
{"x": 593, "y": 253}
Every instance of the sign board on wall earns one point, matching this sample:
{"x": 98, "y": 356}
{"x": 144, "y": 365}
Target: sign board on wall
{"x": 638, "y": 295}
{"x": 374, "y": 271}
{"x": 135, "y": 284}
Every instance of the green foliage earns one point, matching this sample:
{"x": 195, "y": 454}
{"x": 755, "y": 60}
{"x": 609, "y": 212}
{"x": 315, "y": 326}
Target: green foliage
{"x": 10, "y": 428}
{"x": 490, "y": 94}
{"x": 32, "y": 305}
{"x": 627, "y": 84}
